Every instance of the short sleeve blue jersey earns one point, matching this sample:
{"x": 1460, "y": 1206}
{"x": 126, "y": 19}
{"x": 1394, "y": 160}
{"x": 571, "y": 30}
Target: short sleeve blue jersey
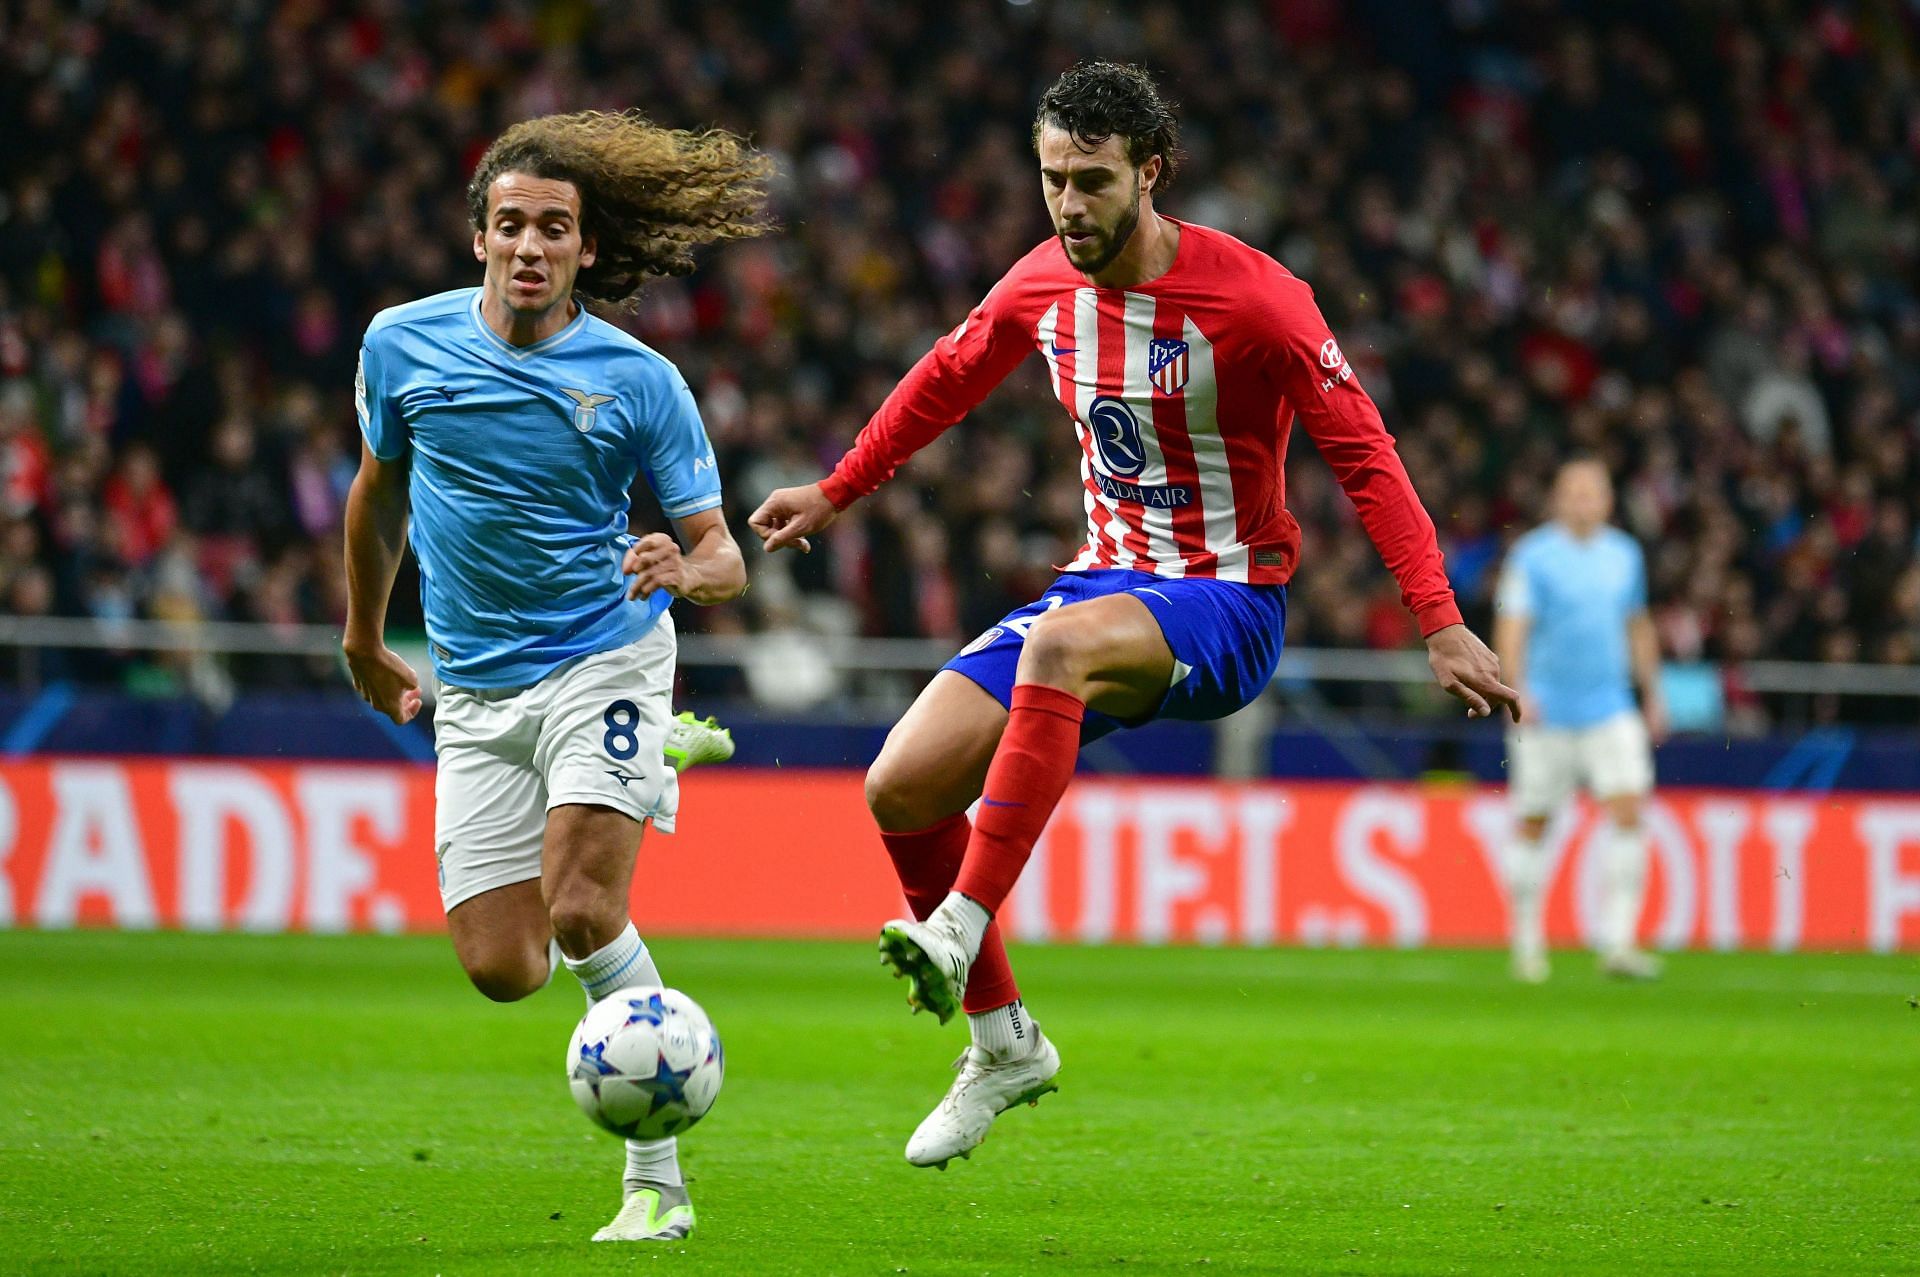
{"x": 1578, "y": 594}
{"x": 521, "y": 461}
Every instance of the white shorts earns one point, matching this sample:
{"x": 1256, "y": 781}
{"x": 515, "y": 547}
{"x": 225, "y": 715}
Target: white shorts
{"x": 1545, "y": 765}
{"x": 592, "y": 732}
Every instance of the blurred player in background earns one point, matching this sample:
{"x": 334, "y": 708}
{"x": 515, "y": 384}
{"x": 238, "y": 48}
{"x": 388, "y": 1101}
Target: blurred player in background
{"x": 1573, "y": 634}
{"x": 1182, "y": 357}
{"x": 511, "y": 425}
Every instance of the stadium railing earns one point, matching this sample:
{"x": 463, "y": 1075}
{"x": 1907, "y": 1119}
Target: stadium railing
{"x": 853, "y": 657}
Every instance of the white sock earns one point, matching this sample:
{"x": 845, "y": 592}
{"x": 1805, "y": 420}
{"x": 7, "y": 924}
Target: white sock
{"x": 554, "y": 959}
{"x": 1624, "y": 889}
{"x": 1526, "y": 874}
{"x": 652, "y": 1162}
{"x": 966, "y": 916}
{"x": 1004, "y": 1032}
{"x": 621, "y": 963}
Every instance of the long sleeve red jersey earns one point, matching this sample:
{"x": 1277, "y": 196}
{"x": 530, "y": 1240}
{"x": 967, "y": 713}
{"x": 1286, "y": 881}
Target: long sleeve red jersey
{"x": 1182, "y": 391}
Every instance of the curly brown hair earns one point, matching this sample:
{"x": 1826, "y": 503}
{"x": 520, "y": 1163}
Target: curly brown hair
{"x": 1094, "y": 101}
{"x": 649, "y": 195}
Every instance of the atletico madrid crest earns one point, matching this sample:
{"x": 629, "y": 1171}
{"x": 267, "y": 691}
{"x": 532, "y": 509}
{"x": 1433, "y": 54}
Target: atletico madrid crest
{"x": 1167, "y": 364}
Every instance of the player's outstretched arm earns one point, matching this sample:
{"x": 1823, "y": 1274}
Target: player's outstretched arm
{"x": 1469, "y": 671}
{"x": 376, "y": 519}
{"x": 710, "y": 571}
{"x": 790, "y": 515}
{"x": 1643, "y": 648}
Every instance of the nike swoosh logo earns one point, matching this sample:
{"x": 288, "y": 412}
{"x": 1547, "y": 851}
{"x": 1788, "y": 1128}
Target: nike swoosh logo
{"x": 1058, "y": 351}
{"x": 995, "y": 802}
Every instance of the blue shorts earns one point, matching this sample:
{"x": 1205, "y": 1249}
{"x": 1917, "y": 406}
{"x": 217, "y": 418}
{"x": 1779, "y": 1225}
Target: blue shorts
{"x": 1225, "y": 638}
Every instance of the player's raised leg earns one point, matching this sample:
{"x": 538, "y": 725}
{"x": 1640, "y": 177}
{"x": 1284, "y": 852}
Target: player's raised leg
{"x": 1108, "y": 654}
{"x": 927, "y": 775}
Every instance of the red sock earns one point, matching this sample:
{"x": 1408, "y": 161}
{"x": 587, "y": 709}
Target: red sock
{"x": 1028, "y": 774}
{"x": 926, "y": 861}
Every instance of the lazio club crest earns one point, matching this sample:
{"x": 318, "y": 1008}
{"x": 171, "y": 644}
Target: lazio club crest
{"x": 586, "y": 407}
{"x": 1167, "y": 364}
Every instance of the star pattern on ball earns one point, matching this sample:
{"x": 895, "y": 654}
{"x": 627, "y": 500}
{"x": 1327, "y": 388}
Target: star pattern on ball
{"x": 651, "y": 1009}
{"x": 593, "y": 1062}
{"x": 668, "y": 1085}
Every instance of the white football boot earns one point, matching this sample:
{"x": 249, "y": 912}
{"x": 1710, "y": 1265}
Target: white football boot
{"x": 692, "y": 741}
{"x": 987, "y": 1087}
{"x": 653, "y": 1213}
{"x": 933, "y": 958}
{"x": 1631, "y": 964}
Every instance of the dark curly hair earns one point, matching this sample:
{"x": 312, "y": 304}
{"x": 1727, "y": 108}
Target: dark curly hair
{"x": 648, "y": 195}
{"x": 1094, "y": 101}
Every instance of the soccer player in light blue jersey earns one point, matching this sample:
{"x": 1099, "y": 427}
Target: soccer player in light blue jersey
{"x": 1573, "y": 633}
{"x": 508, "y": 425}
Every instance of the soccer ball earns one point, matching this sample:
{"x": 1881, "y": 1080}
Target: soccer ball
{"x": 645, "y": 1063}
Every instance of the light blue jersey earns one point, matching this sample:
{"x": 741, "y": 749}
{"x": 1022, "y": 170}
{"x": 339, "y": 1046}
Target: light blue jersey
{"x": 522, "y": 459}
{"x": 1577, "y": 596}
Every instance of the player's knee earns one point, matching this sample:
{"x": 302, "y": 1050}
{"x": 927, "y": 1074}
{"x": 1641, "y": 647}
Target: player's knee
{"x": 1625, "y": 813}
{"x": 1061, "y": 648}
{"x": 505, "y": 977}
{"x": 896, "y": 804}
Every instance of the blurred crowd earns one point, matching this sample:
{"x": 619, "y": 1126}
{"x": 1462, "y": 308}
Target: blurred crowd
{"x": 1683, "y": 235}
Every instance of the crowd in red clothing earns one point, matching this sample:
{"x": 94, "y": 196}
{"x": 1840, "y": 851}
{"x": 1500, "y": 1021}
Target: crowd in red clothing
{"x": 1684, "y": 236}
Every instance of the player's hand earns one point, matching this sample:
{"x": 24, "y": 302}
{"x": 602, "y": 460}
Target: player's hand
{"x": 1467, "y": 669}
{"x": 383, "y": 680}
{"x": 655, "y": 563}
{"x": 790, "y": 516}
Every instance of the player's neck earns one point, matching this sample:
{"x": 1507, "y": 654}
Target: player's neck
{"x": 518, "y": 329}
{"x": 1579, "y": 532}
{"x": 1148, "y": 255}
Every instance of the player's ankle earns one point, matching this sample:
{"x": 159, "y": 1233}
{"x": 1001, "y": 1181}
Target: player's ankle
{"x": 965, "y": 916}
{"x": 653, "y": 1164}
{"x": 1005, "y": 1032}
{"x": 622, "y": 962}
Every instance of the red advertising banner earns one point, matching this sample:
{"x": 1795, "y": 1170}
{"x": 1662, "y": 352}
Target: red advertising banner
{"x": 321, "y": 847}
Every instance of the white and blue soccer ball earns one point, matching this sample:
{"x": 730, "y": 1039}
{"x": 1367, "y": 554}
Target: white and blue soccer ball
{"x": 645, "y": 1063}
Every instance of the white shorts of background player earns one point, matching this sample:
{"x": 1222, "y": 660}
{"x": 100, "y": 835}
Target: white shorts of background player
{"x": 1545, "y": 765}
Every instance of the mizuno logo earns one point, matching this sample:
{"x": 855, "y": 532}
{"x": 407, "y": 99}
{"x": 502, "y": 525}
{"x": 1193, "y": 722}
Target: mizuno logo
{"x": 620, "y": 776}
{"x": 448, "y": 392}
{"x": 995, "y": 802}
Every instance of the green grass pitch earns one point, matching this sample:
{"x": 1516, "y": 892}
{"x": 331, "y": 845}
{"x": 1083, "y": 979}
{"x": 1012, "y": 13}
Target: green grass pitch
{"x": 202, "y": 1104}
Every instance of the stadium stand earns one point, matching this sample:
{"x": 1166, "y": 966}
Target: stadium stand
{"x": 1681, "y": 235}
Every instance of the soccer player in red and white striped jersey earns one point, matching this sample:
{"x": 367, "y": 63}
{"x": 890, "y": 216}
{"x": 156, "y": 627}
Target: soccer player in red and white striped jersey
{"x": 1183, "y": 357}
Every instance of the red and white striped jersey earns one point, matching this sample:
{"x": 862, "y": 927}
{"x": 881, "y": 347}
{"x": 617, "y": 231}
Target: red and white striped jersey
{"x": 1182, "y": 391}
